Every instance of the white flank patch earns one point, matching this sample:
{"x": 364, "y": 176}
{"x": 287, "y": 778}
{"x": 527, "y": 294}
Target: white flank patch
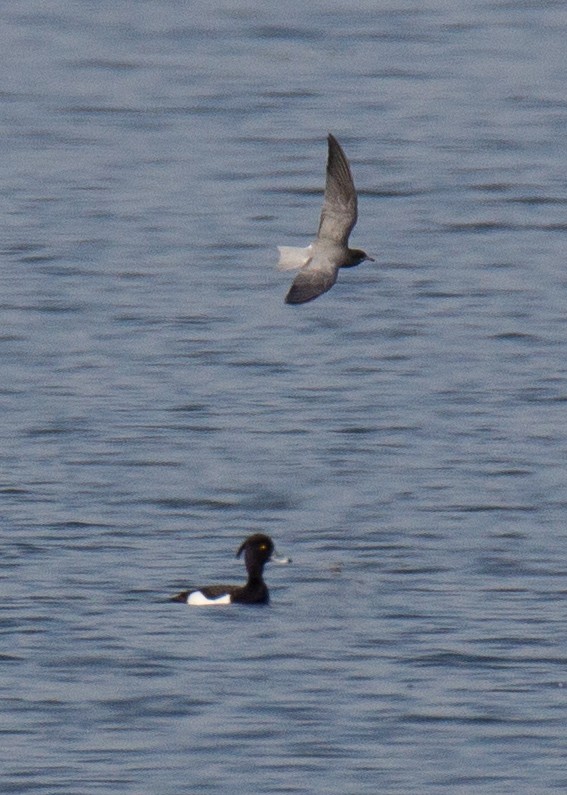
{"x": 292, "y": 257}
{"x": 197, "y": 599}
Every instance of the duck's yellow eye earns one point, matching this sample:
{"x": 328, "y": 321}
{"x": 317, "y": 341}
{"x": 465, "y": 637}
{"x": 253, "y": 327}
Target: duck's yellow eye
{"x": 262, "y": 547}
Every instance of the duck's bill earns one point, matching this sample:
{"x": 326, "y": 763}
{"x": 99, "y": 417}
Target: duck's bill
{"x": 279, "y": 559}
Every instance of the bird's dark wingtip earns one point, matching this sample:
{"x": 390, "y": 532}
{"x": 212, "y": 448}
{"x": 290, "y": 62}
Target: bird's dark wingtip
{"x": 291, "y": 296}
{"x": 296, "y": 297}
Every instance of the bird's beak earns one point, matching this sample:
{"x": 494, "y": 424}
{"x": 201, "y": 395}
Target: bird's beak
{"x": 370, "y": 259}
{"x": 278, "y": 559}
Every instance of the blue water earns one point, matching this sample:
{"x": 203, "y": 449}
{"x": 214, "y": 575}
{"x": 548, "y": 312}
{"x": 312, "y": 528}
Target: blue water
{"x": 402, "y": 438}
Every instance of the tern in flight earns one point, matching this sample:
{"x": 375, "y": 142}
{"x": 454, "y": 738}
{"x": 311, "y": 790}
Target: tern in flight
{"x": 319, "y": 263}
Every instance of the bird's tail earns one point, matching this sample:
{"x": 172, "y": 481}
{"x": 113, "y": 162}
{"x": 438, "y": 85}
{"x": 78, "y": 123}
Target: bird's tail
{"x": 292, "y": 257}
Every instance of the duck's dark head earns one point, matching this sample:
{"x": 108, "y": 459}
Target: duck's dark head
{"x": 355, "y": 257}
{"x": 258, "y": 550}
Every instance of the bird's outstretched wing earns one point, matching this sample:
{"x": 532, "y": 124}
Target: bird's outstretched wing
{"x": 339, "y": 213}
{"x": 314, "y": 279}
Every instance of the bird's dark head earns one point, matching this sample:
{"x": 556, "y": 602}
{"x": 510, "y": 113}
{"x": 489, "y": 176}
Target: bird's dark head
{"x": 355, "y": 257}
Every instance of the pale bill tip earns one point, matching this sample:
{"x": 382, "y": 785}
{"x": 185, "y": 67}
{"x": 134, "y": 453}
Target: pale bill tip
{"x": 279, "y": 559}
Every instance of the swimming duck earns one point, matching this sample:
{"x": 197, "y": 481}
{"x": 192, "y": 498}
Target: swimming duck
{"x": 258, "y": 550}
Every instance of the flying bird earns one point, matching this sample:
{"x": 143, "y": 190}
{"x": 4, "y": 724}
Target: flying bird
{"x": 320, "y": 262}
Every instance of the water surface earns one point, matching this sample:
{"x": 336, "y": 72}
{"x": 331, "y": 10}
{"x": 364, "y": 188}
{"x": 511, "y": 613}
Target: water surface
{"x": 402, "y": 437}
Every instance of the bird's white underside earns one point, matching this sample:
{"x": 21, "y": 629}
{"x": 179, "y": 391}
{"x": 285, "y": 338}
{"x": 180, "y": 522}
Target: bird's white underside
{"x": 198, "y": 599}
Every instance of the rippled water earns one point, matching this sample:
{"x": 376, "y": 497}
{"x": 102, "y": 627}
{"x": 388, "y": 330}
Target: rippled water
{"x": 403, "y": 438}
